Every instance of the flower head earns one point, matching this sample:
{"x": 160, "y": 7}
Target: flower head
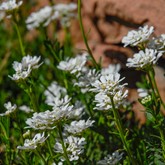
{"x": 53, "y": 92}
{"x": 85, "y": 77}
{"x": 25, "y": 109}
{"x": 73, "y": 65}
{"x": 32, "y": 144}
{"x": 61, "y": 110}
{"x": 144, "y": 58}
{"x": 107, "y": 84}
{"x": 111, "y": 159}
{"x": 24, "y": 68}
{"x": 74, "y": 147}
{"x": 42, "y": 17}
{"x": 104, "y": 102}
{"x": 10, "y": 5}
{"x": 134, "y": 37}
{"x": 76, "y": 127}
{"x": 157, "y": 43}
{"x": 65, "y": 13}
{"x": 10, "y": 109}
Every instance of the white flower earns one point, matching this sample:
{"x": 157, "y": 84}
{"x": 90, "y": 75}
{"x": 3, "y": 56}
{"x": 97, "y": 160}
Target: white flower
{"x": 65, "y": 13}
{"x": 10, "y": 109}
{"x": 54, "y": 91}
{"x": 10, "y": 5}
{"x": 74, "y": 147}
{"x": 157, "y": 43}
{"x": 142, "y": 92}
{"x": 47, "y": 120}
{"x": 111, "y": 159}
{"x": 78, "y": 126}
{"x": 24, "y": 68}
{"x": 133, "y": 37}
{"x": 112, "y": 68}
{"x": 25, "y": 109}
{"x": 85, "y": 78}
{"x": 77, "y": 111}
{"x": 32, "y": 144}
{"x": 42, "y": 17}
{"x": 73, "y": 65}
{"x": 144, "y": 58}
{"x": 103, "y": 101}
{"x": 107, "y": 84}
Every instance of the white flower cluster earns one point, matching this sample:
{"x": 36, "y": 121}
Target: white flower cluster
{"x": 73, "y": 65}
{"x": 33, "y": 144}
{"x": 65, "y": 13}
{"x": 8, "y": 6}
{"x": 145, "y": 58}
{"x": 61, "y": 110}
{"x": 74, "y": 147}
{"x": 25, "y": 109}
{"x": 111, "y": 159}
{"x": 62, "y": 12}
{"x": 24, "y": 68}
{"x": 134, "y": 37}
{"x": 54, "y": 92}
{"x": 85, "y": 77}
{"x": 48, "y": 119}
{"x": 10, "y": 109}
{"x": 151, "y": 49}
{"x": 108, "y": 87}
{"x": 77, "y": 127}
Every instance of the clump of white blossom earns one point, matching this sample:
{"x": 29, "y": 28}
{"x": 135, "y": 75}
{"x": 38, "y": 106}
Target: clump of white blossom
{"x": 34, "y": 143}
{"x": 54, "y": 92}
{"x": 113, "y": 159}
{"x": 108, "y": 88}
{"x": 25, "y": 109}
{"x": 134, "y": 37}
{"x": 77, "y": 127}
{"x": 10, "y": 109}
{"x": 25, "y": 67}
{"x": 7, "y": 7}
{"x": 145, "y": 58}
{"x": 73, "y": 65}
{"x": 65, "y": 13}
{"x": 43, "y": 17}
{"x": 74, "y": 147}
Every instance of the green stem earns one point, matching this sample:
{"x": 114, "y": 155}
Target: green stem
{"x": 63, "y": 145}
{"x": 54, "y": 54}
{"x": 33, "y": 98}
{"x": 156, "y": 95}
{"x": 162, "y": 141}
{"x": 84, "y": 36}
{"x": 151, "y": 77}
{"x": 19, "y": 38}
{"x": 41, "y": 156}
{"x": 121, "y": 132}
{"x": 50, "y": 150}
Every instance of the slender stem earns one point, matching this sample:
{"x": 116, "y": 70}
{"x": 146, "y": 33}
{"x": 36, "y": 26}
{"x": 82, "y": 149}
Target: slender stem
{"x": 151, "y": 77}
{"x": 33, "y": 98}
{"x": 19, "y": 38}
{"x": 156, "y": 95}
{"x": 63, "y": 145}
{"x": 41, "y": 156}
{"x": 84, "y": 36}
{"x": 121, "y": 131}
{"x": 50, "y": 150}
{"x": 162, "y": 141}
